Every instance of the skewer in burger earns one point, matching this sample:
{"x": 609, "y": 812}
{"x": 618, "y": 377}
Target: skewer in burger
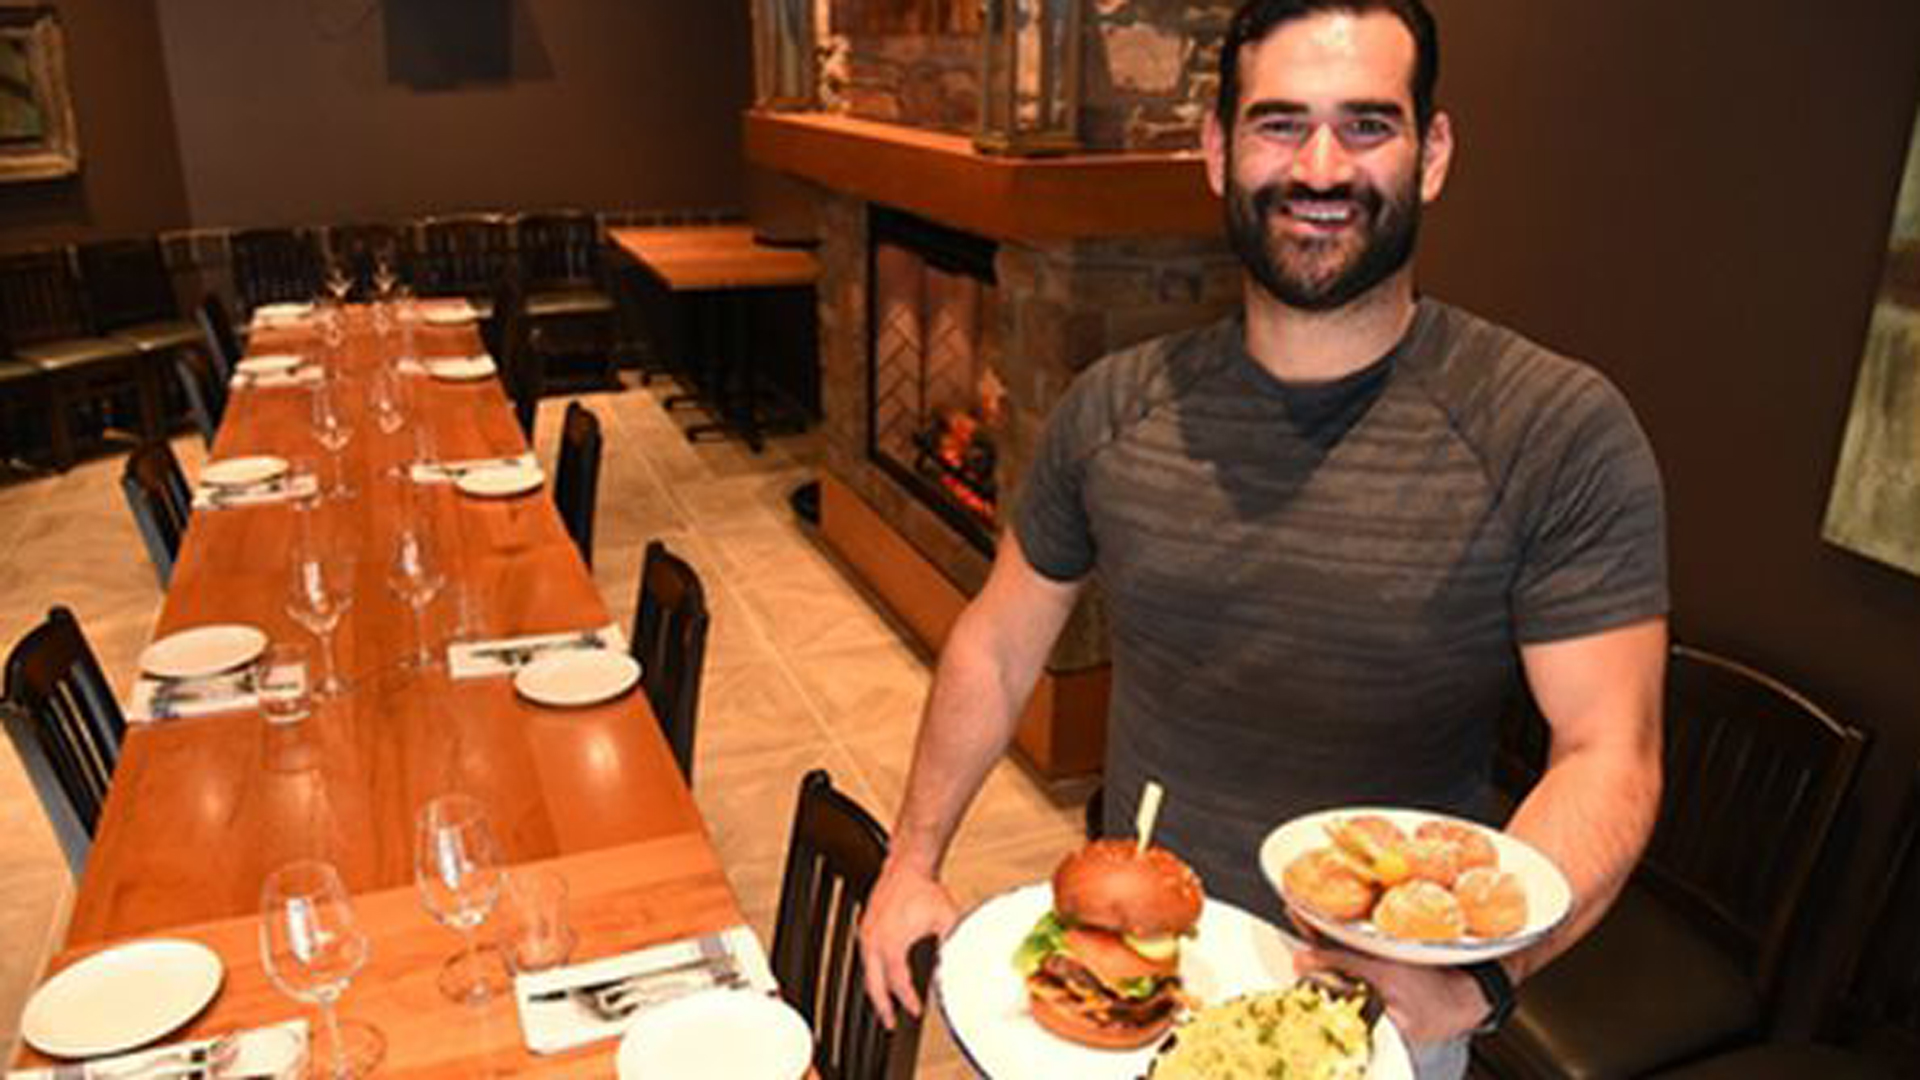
{"x": 1103, "y": 967}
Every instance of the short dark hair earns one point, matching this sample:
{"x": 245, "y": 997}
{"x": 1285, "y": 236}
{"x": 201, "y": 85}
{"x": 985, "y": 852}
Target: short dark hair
{"x": 1258, "y": 18}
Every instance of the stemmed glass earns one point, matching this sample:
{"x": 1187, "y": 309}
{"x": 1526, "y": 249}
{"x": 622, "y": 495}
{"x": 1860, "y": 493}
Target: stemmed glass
{"x": 332, "y": 430}
{"x": 415, "y": 575}
{"x": 312, "y": 947}
{"x": 318, "y": 597}
{"x": 457, "y": 866}
{"x": 337, "y": 281}
{"x": 387, "y": 393}
{"x": 385, "y": 277}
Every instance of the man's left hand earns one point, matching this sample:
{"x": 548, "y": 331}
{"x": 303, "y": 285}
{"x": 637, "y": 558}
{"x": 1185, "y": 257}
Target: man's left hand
{"x": 1427, "y": 1004}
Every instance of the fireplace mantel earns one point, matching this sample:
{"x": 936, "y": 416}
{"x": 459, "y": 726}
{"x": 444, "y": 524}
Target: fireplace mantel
{"x": 1031, "y": 200}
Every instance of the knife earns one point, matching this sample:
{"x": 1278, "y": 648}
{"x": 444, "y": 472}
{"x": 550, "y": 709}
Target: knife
{"x": 722, "y": 961}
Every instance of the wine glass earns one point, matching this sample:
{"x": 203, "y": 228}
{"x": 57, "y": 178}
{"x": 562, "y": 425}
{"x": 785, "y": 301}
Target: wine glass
{"x": 385, "y": 277}
{"x": 457, "y": 866}
{"x": 387, "y": 394}
{"x": 318, "y": 597}
{"x": 332, "y": 430}
{"x": 312, "y": 947}
{"x": 337, "y": 280}
{"x": 415, "y": 575}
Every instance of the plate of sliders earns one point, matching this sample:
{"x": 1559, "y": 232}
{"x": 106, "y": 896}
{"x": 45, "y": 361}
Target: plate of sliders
{"x": 1121, "y": 959}
{"x": 1415, "y": 886}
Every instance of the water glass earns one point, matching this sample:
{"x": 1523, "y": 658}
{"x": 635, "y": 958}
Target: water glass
{"x": 457, "y": 867}
{"x": 282, "y": 684}
{"x": 312, "y": 946}
{"x": 319, "y": 595}
{"x": 415, "y": 575}
{"x": 536, "y": 936}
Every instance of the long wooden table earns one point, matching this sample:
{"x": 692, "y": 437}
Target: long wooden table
{"x": 202, "y": 809}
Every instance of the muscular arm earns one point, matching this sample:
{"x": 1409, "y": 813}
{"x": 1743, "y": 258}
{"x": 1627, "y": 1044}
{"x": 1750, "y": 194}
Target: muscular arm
{"x": 986, "y": 671}
{"x": 1591, "y": 812}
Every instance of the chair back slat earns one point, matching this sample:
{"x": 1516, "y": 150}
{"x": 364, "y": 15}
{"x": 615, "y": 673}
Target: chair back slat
{"x": 40, "y": 298}
{"x": 63, "y": 717}
{"x": 161, "y": 502}
{"x": 1755, "y": 776}
{"x": 127, "y": 283}
{"x": 560, "y": 251}
{"x": 274, "y": 265}
{"x": 670, "y": 641}
{"x": 576, "y": 482}
{"x": 223, "y": 343}
{"x": 468, "y": 255}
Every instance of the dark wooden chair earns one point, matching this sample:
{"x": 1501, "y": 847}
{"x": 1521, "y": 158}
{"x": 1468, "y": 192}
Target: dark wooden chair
{"x": 205, "y": 391}
{"x": 833, "y": 859}
{"x": 466, "y": 255}
{"x": 359, "y": 248}
{"x": 131, "y": 295}
{"x": 505, "y": 333}
{"x": 274, "y": 266}
{"x": 1690, "y": 958}
{"x": 25, "y": 402}
{"x": 570, "y": 307}
{"x": 670, "y": 641}
{"x": 64, "y": 722}
{"x": 222, "y": 341}
{"x": 45, "y": 323}
{"x": 161, "y": 502}
{"x": 576, "y": 481}
{"x": 1874, "y": 1028}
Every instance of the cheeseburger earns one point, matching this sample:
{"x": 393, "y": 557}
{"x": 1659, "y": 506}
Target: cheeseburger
{"x": 1103, "y": 967}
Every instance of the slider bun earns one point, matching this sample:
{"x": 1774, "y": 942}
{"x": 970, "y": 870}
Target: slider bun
{"x": 1325, "y": 883}
{"x": 1110, "y": 884}
{"x": 1420, "y": 911}
{"x": 1475, "y": 848}
{"x": 1493, "y": 901}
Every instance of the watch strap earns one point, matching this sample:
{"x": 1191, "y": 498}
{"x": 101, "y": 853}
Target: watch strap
{"x": 1497, "y": 987}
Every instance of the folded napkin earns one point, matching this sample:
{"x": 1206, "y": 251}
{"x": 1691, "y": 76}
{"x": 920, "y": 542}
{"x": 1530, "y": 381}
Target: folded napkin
{"x": 446, "y": 472}
{"x": 278, "y": 489}
{"x": 303, "y": 375}
{"x": 228, "y": 691}
{"x": 557, "y": 1008}
{"x": 504, "y": 656}
{"x": 275, "y": 1051}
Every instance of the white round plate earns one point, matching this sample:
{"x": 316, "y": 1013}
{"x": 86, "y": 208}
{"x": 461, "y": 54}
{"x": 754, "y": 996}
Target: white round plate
{"x": 282, "y": 312}
{"x": 500, "y": 481}
{"x": 243, "y": 471}
{"x": 124, "y": 997}
{"x": 202, "y": 651}
{"x": 465, "y": 369}
{"x": 984, "y": 999}
{"x": 577, "y": 677}
{"x": 446, "y": 316}
{"x": 1548, "y": 896}
{"x": 738, "y": 1034}
{"x": 267, "y": 364}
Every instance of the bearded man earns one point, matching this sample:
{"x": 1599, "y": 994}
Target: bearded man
{"x": 1335, "y": 533}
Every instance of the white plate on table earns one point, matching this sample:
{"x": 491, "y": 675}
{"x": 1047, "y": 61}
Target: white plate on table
{"x": 268, "y": 364}
{"x": 500, "y": 481}
{"x": 444, "y": 315}
{"x": 243, "y": 471}
{"x": 121, "y": 998}
{"x": 463, "y": 369}
{"x": 984, "y": 998}
{"x": 287, "y": 312}
{"x": 203, "y": 651}
{"x": 1549, "y": 898}
{"x": 576, "y": 677}
{"x": 737, "y": 1034}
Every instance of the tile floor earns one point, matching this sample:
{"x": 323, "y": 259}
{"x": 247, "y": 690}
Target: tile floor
{"x": 801, "y": 669}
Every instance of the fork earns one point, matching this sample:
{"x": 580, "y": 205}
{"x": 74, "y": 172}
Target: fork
{"x": 623, "y": 999}
{"x": 197, "y": 1061}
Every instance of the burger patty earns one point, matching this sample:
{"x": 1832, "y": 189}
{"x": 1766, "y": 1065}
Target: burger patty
{"x": 1109, "y": 1006}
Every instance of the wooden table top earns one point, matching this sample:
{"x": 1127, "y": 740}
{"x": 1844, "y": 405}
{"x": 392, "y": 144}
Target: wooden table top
{"x": 714, "y": 257}
{"x": 202, "y": 809}
{"x": 620, "y": 899}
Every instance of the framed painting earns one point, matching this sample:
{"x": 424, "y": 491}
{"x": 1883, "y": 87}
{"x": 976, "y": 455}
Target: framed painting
{"x": 37, "y": 140}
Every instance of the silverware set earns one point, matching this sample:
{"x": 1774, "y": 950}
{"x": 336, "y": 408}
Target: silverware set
{"x": 225, "y": 686}
{"x": 222, "y": 497}
{"x": 197, "y": 1061}
{"x": 453, "y": 470}
{"x": 519, "y": 655}
{"x": 617, "y": 999}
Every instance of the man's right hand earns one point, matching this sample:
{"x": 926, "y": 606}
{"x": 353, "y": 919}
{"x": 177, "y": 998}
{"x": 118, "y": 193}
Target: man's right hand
{"x": 906, "y": 905}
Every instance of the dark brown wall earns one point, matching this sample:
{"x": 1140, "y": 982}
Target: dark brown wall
{"x": 290, "y": 112}
{"x": 1696, "y": 196}
{"x": 129, "y": 178}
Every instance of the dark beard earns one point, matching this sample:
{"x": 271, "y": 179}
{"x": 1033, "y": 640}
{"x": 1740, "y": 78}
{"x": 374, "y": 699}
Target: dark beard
{"x": 1392, "y": 227}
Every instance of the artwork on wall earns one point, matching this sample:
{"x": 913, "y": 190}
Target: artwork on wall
{"x": 1874, "y": 508}
{"x": 37, "y": 139}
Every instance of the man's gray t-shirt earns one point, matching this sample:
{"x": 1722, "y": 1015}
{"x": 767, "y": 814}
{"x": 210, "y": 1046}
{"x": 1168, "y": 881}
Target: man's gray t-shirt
{"x": 1319, "y": 611}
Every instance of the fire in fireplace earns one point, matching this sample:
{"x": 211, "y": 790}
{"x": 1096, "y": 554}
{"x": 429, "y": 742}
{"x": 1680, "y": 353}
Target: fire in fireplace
{"x": 937, "y": 403}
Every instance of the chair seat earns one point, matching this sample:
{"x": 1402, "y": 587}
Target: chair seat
{"x": 568, "y": 302}
{"x": 158, "y": 336}
{"x": 56, "y": 356}
{"x": 1642, "y": 990}
{"x": 1784, "y": 1061}
{"x": 18, "y": 372}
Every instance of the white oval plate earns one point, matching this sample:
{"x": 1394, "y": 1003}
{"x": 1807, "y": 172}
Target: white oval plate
{"x": 577, "y": 677}
{"x": 447, "y": 316}
{"x": 267, "y": 364}
{"x": 1548, "y": 896}
{"x": 738, "y": 1034}
{"x": 243, "y": 471}
{"x": 465, "y": 369}
{"x": 285, "y": 312}
{"x": 984, "y": 999}
{"x": 202, "y": 651}
{"x": 500, "y": 481}
{"x": 124, "y": 997}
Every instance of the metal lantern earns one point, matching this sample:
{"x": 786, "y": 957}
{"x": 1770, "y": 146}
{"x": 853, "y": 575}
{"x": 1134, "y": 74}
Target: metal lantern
{"x": 1030, "y": 77}
{"x": 783, "y": 54}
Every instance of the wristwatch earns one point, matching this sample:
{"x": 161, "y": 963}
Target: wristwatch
{"x": 1497, "y": 988}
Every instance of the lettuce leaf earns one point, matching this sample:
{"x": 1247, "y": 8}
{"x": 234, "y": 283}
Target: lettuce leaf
{"x": 1047, "y": 937}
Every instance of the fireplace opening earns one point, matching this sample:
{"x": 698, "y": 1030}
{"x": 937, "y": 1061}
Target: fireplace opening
{"x": 937, "y": 406}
